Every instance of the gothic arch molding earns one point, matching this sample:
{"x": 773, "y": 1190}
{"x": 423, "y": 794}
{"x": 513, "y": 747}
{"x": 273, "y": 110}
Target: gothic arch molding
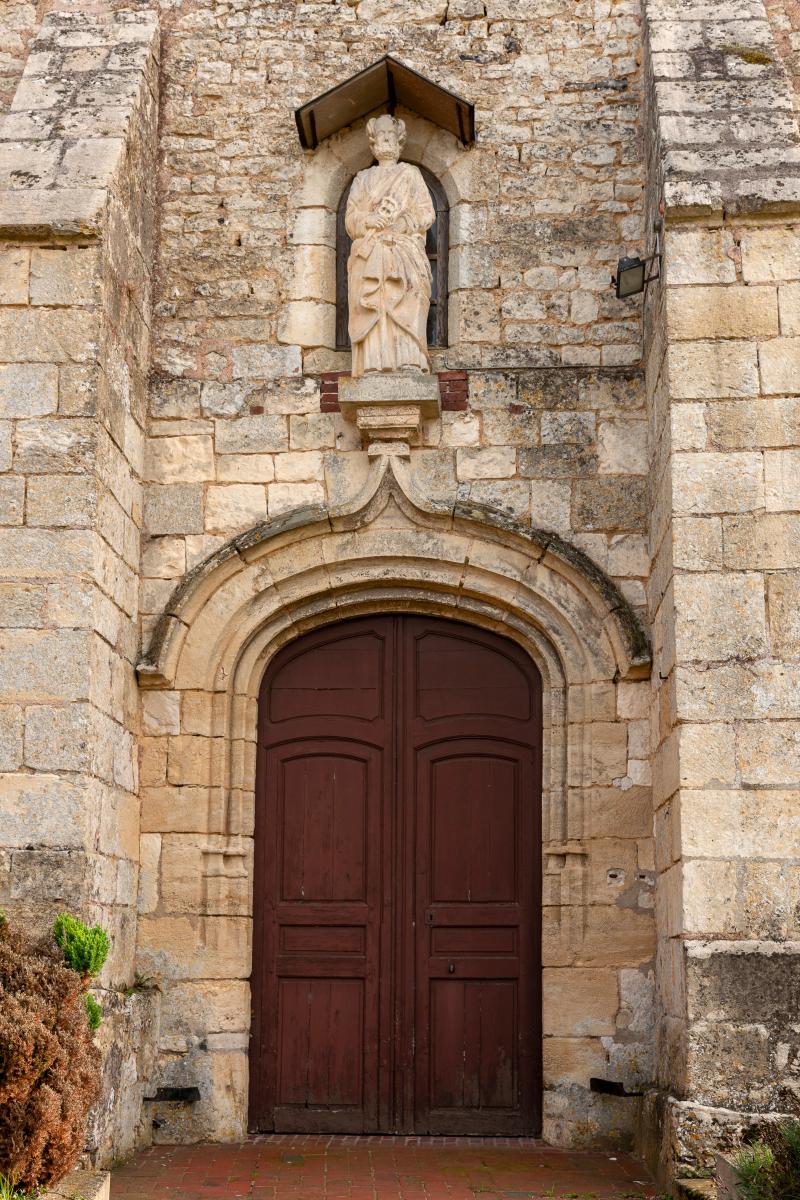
{"x": 389, "y": 536}
{"x": 388, "y": 551}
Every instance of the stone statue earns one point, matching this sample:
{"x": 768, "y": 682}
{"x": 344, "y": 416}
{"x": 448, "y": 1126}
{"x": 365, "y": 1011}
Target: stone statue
{"x": 389, "y": 211}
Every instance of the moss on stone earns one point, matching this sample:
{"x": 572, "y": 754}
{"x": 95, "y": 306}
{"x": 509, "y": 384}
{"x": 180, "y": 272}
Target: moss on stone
{"x": 748, "y": 54}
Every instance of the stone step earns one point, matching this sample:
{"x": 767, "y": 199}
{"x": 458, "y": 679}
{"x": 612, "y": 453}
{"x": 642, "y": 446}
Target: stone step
{"x": 82, "y": 1185}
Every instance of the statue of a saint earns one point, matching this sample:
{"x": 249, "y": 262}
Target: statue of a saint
{"x": 389, "y": 211}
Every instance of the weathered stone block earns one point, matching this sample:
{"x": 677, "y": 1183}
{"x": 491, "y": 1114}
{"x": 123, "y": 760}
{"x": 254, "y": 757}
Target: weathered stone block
{"x": 178, "y": 947}
{"x": 710, "y": 896}
{"x": 14, "y": 262}
{"x": 37, "y": 552}
{"x": 762, "y": 541}
{"x": 699, "y": 256}
{"x": 707, "y": 754}
{"x": 60, "y": 739}
{"x": 62, "y": 500}
{"x": 285, "y": 496}
{"x": 299, "y": 466}
{"x": 610, "y": 503}
{"x": 511, "y": 496}
{"x": 161, "y": 712}
{"x": 187, "y": 459}
{"x": 64, "y": 277}
{"x": 717, "y": 483}
{"x": 38, "y": 335}
{"x": 789, "y": 304}
{"x": 485, "y": 463}
{"x": 752, "y": 424}
{"x": 561, "y": 461}
{"x": 550, "y": 504}
{"x": 164, "y": 558}
{"x": 722, "y": 312}
{"x": 769, "y": 753}
{"x": 622, "y": 447}
{"x": 28, "y": 389}
{"x": 12, "y": 501}
{"x": 251, "y": 435}
{"x": 718, "y": 824}
{"x": 11, "y": 726}
{"x": 245, "y": 468}
{"x": 55, "y": 807}
{"x": 231, "y": 507}
{"x": 719, "y": 616}
{"x": 176, "y": 508}
{"x": 55, "y": 447}
{"x": 266, "y": 361}
{"x": 707, "y": 370}
{"x": 784, "y": 613}
{"x": 779, "y": 361}
{"x": 314, "y": 432}
{"x": 772, "y": 253}
{"x": 782, "y": 480}
{"x": 579, "y": 1003}
{"x": 572, "y": 428}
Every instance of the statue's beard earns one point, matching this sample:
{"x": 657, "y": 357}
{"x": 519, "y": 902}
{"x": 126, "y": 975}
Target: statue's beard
{"x": 388, "y": 156}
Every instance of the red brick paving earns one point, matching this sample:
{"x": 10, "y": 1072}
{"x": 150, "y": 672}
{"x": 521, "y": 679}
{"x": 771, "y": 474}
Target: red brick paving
{"x": 301, "y": 1167}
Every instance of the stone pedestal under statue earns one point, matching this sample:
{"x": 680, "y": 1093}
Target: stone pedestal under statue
{"x": 389, "y": 407}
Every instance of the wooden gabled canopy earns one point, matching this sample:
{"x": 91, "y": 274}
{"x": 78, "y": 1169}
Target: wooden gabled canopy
{"x": 384, "y": 85}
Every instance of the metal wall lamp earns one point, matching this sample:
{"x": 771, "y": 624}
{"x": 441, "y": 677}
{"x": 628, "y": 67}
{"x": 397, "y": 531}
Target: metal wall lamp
{"x": 631, "y": 277}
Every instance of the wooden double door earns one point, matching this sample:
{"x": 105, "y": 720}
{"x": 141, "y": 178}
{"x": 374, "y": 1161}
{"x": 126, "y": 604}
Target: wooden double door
{"x": 396, "y": 973}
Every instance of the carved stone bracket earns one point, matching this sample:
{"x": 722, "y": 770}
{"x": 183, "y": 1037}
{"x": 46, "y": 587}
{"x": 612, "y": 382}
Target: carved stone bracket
{"x": 389, "y": 409}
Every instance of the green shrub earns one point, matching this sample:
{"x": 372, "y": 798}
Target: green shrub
{"x": 769, "y": 1169}
{"x": 85, "y": 950}
{"x": 10, "y": 1191}
{"x": 95, "y": 1014}
{"x": 754, "y": 1166}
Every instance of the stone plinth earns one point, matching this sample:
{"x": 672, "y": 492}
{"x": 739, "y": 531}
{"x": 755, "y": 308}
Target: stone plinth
{"x": 390, "y": 408}
{"x": 82, "y": 1185}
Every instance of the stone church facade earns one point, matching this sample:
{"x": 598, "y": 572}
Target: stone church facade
{"x": 612, "y": 485}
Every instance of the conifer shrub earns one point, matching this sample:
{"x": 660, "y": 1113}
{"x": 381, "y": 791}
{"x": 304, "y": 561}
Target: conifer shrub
{"x": 49, "y": 1065}
{"x": 85, "y": 950}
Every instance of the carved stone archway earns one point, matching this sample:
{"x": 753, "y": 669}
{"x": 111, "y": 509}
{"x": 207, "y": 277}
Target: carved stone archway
{"x": 390, "y": 550}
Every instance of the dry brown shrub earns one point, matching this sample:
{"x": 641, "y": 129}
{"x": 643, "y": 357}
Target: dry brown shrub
{"x": 49, "y": 1065}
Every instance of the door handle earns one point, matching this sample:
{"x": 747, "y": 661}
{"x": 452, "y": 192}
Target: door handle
{"x": 451, "y": 968}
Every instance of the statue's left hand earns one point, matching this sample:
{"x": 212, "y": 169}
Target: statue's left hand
{"x": 388, "y": 208}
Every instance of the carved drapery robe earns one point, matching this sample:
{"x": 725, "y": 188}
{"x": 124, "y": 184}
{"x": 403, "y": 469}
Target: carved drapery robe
{"x": 388, "y": 273}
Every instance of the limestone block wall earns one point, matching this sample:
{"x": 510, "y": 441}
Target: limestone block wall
{"x": 784, "y": 18}
{"x": 553, "y": 437}
{"x": 19, "y": 21}
{"x": 77, "y": 225}
{"x": 724, "y": 401}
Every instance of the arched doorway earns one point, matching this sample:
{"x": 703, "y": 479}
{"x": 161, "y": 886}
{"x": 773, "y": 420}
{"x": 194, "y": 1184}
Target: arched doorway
{"x": 396, "y": 953}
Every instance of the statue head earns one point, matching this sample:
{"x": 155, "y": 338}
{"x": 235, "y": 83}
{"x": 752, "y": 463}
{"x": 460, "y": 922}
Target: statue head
{"x": 387, "y": 137}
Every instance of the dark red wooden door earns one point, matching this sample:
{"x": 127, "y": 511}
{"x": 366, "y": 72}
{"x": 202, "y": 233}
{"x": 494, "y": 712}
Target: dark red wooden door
{"x": 396, "y": 958}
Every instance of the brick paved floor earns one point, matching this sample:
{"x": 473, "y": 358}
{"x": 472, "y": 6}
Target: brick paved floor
{"x": 300, "y": 1167}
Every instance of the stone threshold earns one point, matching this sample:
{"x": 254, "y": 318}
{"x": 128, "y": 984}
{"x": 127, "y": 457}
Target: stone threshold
{"x": 82, "y": 1185}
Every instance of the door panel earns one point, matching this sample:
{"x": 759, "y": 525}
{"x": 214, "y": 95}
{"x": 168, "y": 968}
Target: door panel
{"x": 396, "y": 978}
{"x": 473, "y": 822}
{"x": 326, "y": 929}
{"x": 324, "y": 799}
{"x": 475, "y": 962}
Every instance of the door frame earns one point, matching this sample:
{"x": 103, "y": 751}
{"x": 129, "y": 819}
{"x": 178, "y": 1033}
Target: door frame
{"x": 397, "y": 1005}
